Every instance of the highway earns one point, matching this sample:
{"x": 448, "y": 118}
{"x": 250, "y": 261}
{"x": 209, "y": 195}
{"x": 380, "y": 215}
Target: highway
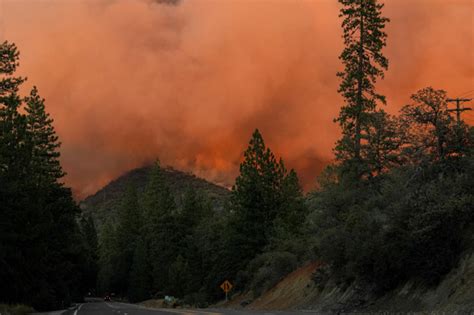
{"x": 115, "y": 308}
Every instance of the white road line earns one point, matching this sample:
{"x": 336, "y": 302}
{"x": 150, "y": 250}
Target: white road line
{"x": 77, "y": 310}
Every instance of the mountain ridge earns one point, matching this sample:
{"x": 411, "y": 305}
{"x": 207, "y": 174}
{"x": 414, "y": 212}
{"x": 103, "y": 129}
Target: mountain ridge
{"x": 103, "y": 205}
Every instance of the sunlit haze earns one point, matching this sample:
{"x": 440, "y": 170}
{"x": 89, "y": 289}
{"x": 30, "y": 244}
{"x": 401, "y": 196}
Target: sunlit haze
{"x": 131, "y": 80}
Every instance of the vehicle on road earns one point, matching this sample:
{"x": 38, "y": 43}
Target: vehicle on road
{"x": 107, "y": 298}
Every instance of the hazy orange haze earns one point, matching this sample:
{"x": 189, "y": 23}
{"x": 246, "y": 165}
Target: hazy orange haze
{"x": 130, "y": 80}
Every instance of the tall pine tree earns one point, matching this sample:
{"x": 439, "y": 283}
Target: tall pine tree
{"x": 364, "y": 63}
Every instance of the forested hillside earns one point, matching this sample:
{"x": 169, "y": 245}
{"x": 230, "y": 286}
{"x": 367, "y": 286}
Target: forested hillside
{"x": 156, "y": 246}
{"x": 104, "y": 204}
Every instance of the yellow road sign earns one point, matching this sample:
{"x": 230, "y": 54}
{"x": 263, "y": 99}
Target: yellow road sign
{"x": 226, "y": 286}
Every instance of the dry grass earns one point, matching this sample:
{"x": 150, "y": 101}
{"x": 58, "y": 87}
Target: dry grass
{"x": 294, "y": 290}
{"x": 154, "y": 303}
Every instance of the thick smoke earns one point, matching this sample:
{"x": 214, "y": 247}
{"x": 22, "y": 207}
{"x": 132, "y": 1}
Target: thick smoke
{"x": 130, "y": 80}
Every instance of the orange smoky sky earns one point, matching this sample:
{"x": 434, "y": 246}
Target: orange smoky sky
{"x": 131, "y": 80}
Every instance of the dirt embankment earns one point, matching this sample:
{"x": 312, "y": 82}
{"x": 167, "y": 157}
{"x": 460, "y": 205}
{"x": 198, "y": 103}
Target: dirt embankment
{"x": 295, "y": 290}
{"x": 454, "y": 295}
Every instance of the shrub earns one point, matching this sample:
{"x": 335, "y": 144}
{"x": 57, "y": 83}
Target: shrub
{"x": 199, "y": 299}
{"x": 18, "y": 309}
{"x": 321, "y": 276}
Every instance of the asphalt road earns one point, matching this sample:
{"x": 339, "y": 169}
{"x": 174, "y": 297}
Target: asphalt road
{"x": 115, "y": 308}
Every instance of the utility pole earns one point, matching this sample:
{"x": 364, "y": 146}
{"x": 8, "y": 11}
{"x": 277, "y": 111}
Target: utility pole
{"x": 458, "y": 109}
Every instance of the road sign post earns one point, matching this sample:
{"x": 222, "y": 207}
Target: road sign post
{"x": 226, "y": 286}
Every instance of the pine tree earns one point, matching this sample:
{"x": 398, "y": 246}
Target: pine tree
{"x": 256, "y": 201}
{"x": 56, "y": 207}
{"x": 161, "y": 230}
{"x": 66, "y": 251}
{"x": 14, "y": 145}
{"x": 107, "y": 257}
{"x": 179, "y": 277}
{"x": 385, "y": 139}
{"x": 158, "y": 194}
{"x": 293, "y": 215}
{"x": 9, "y": 56}
{"x": 139, "y": 281}
{"x": 92, "y": 247}
{"x": 45, "y": 155}
{"x": 128, "y": 231}
{"x": 195, "y": 211}
{"x": 364, "y": 63}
